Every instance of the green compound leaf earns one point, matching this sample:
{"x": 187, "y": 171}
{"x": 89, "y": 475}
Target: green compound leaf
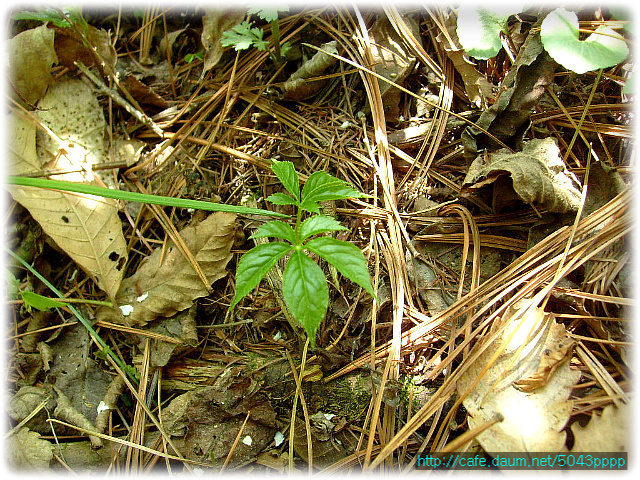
{"x": 286, "y": 173}
{"x": 242, "y": 36}
{"x": 319, "y": 224}
{"x": 278, "y": 229}
{"x": 346, "y": 257}
{"x": 603, "y": 48}
{"x": 254, "y": 265}
{"x": 479, "y": 29}
{"x": 321, "y": 187}
{"x": 306, "y": 293}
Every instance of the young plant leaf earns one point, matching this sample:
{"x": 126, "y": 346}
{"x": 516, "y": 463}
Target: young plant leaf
{"x": 319, "y": 224}
{"x": 39, "y": 302}
{"x": 269, "y": 14}
{"x": 282, "y": 199}
{"x": 286, "y": 173}
{"x": 603, "y": 48}
{"x": 321, "y": 187}
{"x": 254, "y": 265}
{"x": 306, "y": 293}
{"x": 346, "y": 257}
{"x": 278, "y": 229}
{"x": 479, "y": 30}
{"x": 242, "y": 37}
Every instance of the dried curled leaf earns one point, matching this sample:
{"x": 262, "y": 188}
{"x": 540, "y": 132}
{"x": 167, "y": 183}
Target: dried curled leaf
{"x": 167, "y": 280}
{"x": 607, "y": 432}
{"x": 534, "y": 420}
{"x": 297, "y": 87}
{"x": 538, "y": 175}
{"x": 31, "y": 55}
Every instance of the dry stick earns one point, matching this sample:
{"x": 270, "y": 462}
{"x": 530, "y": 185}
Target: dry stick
{"x": 141, "y": 117}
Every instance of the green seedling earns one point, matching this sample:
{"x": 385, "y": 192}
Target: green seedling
{"x": 244, "y": 35}
{"x": 59, "y": 18}
{"x": 479, "y": 30}
{"x": 304, "y": 285}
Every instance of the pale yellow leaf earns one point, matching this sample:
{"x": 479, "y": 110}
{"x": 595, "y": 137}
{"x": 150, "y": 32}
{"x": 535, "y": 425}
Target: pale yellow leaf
{"x": 31, "y": 55}
{"x": 27, "y": 452}
{"x": 169, "y": 281}
{"x": 72, "y": 113}
{"x": 23, "y": 157}
{"x": 532, "y": 420}
{"x": 86, "y": 227}
{"x": 608, "y": 432}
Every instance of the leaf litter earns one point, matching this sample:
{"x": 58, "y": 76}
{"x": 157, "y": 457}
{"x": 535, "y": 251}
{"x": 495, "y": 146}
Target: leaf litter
{"x": 450, "y": 348}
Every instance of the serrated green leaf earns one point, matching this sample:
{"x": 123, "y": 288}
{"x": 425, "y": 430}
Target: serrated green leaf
{"x": 346, "y": 257}
{"x": 39, "y": 302}
{"x": 278, "y": 229}
{"x": 269, "y": 14}
{"x": 241, "y": 36}
{"x": 281, "y": 199}
{"x": 254, "y": 265}
{"x": 560, "y": 36}
{"x": 319, "y": 224}
{"x": 321, "y": 187}
{"x": 479, "y": 29}
{"x": 305, "y": 292}
{"x": 286, "y": 173}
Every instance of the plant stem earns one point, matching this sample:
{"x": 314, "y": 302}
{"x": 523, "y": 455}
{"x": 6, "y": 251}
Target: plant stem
{"x": 275, "y": 33}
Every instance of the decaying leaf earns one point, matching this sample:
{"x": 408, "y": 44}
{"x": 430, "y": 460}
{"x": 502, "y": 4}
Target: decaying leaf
{"x": 327, "y": 447}
{"x": 215, "y": 21}
{"x": 297, "y": 87}
{"x": 558, "y": 349}
{"x": 538, "y": 175}
{"x": 608, "y": 432}
{"x": 508, "y": 118}
{"x": 27, "y": 452}
{"x": 31, "y": 55}
{"x": 211, "y": 418}
{"x": 533, "y": 421}
{"x": 93, "y": 48}
{"x": 167, "y": 280}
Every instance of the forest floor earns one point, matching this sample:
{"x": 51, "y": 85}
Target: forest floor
{"x": 496, "y": 233}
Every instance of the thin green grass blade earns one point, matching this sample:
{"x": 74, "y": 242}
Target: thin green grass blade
{"x": 137, "y": 197}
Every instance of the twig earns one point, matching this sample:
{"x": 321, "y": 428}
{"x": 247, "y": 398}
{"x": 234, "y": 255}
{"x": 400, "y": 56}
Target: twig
{"x": 115, "y": 96}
